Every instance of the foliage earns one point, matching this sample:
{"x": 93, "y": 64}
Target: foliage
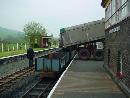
{"x": 54, "y": 41}
{"x": 33, "y": 32}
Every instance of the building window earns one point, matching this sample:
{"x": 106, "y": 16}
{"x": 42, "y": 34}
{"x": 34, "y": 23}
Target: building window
{"x": 113, "y": 6}
{"x": 124, "y": 9}
{"x": 115, "y": 12}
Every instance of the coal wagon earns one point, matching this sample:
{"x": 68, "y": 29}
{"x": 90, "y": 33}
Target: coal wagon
{"x": 53, "y": 64}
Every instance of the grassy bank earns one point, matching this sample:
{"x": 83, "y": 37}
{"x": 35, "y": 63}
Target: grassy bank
{"x": 11, "y": 53}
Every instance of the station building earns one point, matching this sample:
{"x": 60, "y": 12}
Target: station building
{"x": 41, "y": 42}
{"x": 44, "y": 41}
{"x": 117, "y": 42}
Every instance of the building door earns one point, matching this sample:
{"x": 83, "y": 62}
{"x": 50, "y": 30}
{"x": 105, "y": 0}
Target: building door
{"x": 108, "y": 56}
{"x": 119, "y": 62}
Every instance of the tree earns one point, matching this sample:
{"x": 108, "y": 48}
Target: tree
{"x": 55, "y": 41}
{"x": 33, "y": 32}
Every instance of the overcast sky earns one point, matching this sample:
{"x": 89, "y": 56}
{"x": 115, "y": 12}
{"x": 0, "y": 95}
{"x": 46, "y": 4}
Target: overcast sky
{"x": 52, "y": 14}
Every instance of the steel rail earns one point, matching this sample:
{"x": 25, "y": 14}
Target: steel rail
{"x": 12, "y": 78}
{"x": 40, "y": 89}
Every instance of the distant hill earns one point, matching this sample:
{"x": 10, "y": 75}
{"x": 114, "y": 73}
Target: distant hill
{"x": 10, "y": 35}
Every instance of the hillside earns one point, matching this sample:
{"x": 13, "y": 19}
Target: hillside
{"x": 10, "y": 35}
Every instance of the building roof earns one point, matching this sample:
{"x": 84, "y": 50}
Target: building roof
{"x": 104, "y": 3}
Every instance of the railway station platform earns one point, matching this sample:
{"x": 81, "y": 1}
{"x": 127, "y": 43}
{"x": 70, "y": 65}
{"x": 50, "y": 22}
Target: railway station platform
{"x": 86, "y": 79}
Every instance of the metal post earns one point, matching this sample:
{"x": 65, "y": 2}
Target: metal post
{"x": 17, "y": 46}
{"x": 2, "y": 47}
{"x": 25, "y": 47}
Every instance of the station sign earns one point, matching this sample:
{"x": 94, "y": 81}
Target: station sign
{"x": 115, "y": 29}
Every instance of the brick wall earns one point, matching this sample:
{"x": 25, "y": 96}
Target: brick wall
{"x": 119, "y": 41}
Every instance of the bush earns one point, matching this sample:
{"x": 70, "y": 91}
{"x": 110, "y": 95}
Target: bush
{"x": 34, "y": 45}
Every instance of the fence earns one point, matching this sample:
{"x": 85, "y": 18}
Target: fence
{"x": 12, "y": 47}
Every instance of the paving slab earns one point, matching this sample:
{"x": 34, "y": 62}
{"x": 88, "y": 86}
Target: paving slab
{"x": 87, "y": 79}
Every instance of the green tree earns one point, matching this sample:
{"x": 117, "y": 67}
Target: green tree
{"x": 33, "y": 32}
{"x": 55, "y": 41}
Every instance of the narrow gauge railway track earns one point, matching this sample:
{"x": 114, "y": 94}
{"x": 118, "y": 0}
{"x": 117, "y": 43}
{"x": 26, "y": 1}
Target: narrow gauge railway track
{"x": 8, "y": 80}
{"x": 41, "y": 89}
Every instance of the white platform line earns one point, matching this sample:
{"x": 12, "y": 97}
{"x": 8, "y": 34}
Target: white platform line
{"x": 53, "y": 89}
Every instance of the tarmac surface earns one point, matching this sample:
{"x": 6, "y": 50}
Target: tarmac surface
{"x": 87, "y": 79}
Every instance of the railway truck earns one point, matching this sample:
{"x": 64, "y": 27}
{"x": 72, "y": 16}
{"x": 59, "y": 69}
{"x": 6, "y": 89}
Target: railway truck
{"x": 87, "y": 39}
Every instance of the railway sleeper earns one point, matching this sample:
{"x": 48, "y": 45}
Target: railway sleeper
{"x": 39, "y": 90}
{"x": 35, "y": 93}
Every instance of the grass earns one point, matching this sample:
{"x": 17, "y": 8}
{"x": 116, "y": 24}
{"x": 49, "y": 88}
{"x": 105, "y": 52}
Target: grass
{"x": 16, "y": 52}
{"x": 11, "y": 53}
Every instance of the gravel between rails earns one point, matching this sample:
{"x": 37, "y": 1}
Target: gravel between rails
{"x": 13, "y": 67}
{"x": 20, "y": 87}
